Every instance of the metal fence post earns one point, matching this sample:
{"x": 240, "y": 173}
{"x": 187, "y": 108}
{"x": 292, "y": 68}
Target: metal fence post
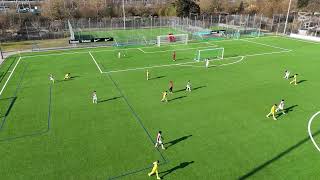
{"x": 260, "y": 25}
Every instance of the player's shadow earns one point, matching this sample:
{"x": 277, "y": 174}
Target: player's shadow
{"x": 176, "y": 98}
{"x": 287, "y": 110}
{"x": 173, "y": 142}
{"x": 277, "y": 157}
{"x": 301, "y": 81}
{"x": 12, "y": 101}
{"x": 199, "y": 87}
{"x": 64, "y": 80}
{"x": 110, "y": 99}
{"x": 192, "y": 89}
{"x": 158, "y": 77}
{"x": 73, "y": 77}
{"x": 180, "y": 166}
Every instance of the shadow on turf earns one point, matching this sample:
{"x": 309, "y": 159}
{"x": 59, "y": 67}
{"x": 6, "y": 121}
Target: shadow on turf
{"x": 13, "y": 100}
{"x": 180, "y": 97}
{"x": 193, "y": 89}
{"x": 180, "y": 166}
{"x": 158, "y": 77}
{"x": 173, "y": 142}
{"x": 277, "y": 157}
{"x": 301, "y": 81}
{"x": 287, "y": 110}
{"x": 73, "y": 77}
{"x": 110, "y": 99}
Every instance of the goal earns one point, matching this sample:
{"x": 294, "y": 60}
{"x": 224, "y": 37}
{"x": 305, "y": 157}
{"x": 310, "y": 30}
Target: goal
{"x": 210, "y": 54}
{"x": 172, "y": 39}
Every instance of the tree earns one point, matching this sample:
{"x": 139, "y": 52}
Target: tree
{"x": 302, "y": 3}
{"x": 185, "y": 7}
{"x": 241, "y": 7}
{"x": 314, "y": 6}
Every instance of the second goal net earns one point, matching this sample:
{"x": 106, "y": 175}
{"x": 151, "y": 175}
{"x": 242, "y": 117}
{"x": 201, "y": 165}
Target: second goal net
{"x": 210, "y": 54}
{"x": 172, "y": 39}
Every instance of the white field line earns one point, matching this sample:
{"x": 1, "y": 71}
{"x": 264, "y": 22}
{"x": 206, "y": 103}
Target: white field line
{"x": 95, "y": 62}
{"x": 185, "y": 49}
{"x": 267, "y": 45}
{"x": 301, "y": 40}
{"x": 242, "y": 57}
{"x": 192, "y": 62}
{"x": 203, "y": 66}
{"x": 226, "y": 40}
{"x": 261, "y": 54}
{"x": 309, "y": 130}
{"x": 106, "y": 50}
{"x": 5, "y": 84}
{"x": 150, "y": 67}
{"x": 52, "y": 54}
{"x": 141, "y": 50}
{"x": 85, "y": 52}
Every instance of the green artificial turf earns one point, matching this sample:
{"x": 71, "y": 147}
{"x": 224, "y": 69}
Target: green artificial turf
{"x": 217, "y": 131}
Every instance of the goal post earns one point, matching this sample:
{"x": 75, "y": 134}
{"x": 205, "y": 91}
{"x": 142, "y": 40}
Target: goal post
{"x": 172, "y": 39}
{"x": 210, "y": 54}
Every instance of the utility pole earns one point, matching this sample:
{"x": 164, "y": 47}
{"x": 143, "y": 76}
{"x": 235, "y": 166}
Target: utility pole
{"x": 286, "y": 24}
{"x": 124, "y": 15}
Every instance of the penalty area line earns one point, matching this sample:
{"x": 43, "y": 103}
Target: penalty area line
{"x": 226, "y": 64}
{"x": 267, "y": 45}
{"x": 192, "y": 62}
{"x": 141, "y": 50}
{"x": 95, "y": 62}
{"x": 309, "y": 130}
{"x": 148, "y": 67}
{"x": 5, "y": 84}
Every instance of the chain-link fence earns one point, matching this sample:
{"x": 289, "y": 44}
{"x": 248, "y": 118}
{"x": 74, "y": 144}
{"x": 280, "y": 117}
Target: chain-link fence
{"x": 41, "y": 34}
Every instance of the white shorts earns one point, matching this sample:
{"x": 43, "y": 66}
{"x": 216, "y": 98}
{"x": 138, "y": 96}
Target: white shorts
{"x": 159, "y": 142}
{"x": 51, "y": 79}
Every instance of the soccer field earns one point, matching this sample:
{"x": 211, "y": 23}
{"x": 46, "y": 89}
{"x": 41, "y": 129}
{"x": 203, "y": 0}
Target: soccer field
{"x": 217, "y": 131}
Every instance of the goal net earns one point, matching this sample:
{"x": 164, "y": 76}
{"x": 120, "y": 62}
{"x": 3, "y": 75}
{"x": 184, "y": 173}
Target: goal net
{"x": 172, "y": 38}
{"x": 210, "y": 54}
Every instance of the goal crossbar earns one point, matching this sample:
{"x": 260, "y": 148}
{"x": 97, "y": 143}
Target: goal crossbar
{"x": 210, "y": 54}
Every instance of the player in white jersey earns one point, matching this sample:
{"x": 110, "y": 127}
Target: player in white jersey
{"x": 207, "y": 63}
{"x": 286, "y": 74}
{"x": 51, "y": 78}
{"x": 188, "y": 87}
{"x": 94, "y": 97}
{"x": 281, "y": 107}
{"x": 159, "y": 141}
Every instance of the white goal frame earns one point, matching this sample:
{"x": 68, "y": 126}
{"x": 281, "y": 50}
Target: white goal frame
{"x": 198, "y": 54}
{"x": 179, "y": 38}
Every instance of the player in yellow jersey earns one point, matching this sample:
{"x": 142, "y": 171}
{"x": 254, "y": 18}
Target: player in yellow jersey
{"x": 273, "y": 112}
{"x": 294, "y": 79}
{"x": 67, "y": 76}
{"x": 164, "y": 96}
{"x": 155, "y": 169}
